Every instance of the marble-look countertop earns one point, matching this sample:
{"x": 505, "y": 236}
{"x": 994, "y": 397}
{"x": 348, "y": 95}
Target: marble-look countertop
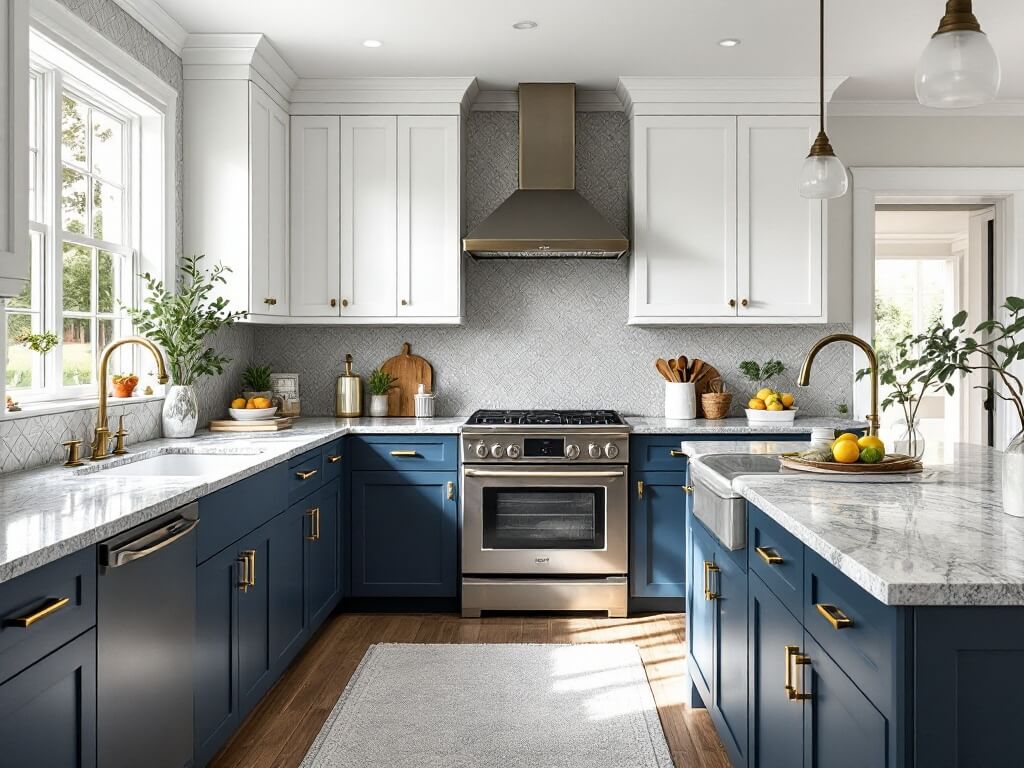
{"x": 734, "y": 426}
{"x": 694, "y": 449}
{"x": 942, "y": 539}
{"x": 51, "y": 512}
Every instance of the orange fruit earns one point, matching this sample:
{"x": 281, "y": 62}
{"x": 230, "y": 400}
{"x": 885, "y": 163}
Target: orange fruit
{"x": 261, "y": 402}
{"x": 788, "y": 399}
{"x": 238, "y": 402}
{"x": 251, "y": 403}
{"x": 846, "y": 451}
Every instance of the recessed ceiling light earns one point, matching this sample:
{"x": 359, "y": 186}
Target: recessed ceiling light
{"x": 372, "y": 43}
{"x": 527, "y": 24}
{"x": 729, "y": 42}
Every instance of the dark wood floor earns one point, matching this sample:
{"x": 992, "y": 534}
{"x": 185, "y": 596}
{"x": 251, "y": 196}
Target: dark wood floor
{"x": 281, "y": 728}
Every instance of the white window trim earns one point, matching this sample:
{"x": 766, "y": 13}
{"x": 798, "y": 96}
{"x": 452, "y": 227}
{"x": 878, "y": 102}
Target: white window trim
{"x": 101, "y": 61}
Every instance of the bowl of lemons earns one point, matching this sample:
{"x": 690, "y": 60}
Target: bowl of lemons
{"x": 771, "y": 407}
{"x": 253, "y": 409}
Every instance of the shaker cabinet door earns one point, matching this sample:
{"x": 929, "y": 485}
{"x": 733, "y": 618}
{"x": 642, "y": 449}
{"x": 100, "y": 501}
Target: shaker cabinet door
{"x": 315, "y": 216}
{"x": 658, "y": 534}
{"x": 268, "y": 204}
{"x": 701, "y": 612}
{"x": 323, "y": 553}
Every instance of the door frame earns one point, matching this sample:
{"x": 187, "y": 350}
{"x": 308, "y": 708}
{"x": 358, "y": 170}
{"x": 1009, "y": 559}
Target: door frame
{"x": 1002, "y": 188}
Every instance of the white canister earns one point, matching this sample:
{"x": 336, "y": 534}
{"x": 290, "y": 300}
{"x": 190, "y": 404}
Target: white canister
{"x": 423, "y": 403}
{"x": 680, "y": 400}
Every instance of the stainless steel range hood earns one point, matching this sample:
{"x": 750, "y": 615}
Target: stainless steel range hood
{"x": 546, "y": 217}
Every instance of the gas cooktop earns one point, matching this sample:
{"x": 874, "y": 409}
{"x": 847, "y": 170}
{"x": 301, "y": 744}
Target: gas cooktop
{"x": 552, "y": 418}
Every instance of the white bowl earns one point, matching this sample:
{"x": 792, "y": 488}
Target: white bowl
{"x": 252, "y": 414}
{"x": 771, "y": 417}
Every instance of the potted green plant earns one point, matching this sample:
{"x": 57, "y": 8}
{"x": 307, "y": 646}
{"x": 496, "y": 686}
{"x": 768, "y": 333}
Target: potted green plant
{"x": 256, "y": 382}
{"x": 180, "y": 321}
{"x": 380, "y": 384}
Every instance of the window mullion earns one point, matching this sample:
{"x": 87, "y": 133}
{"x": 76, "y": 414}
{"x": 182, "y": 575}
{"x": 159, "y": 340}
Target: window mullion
{"x": 52, "y": 254}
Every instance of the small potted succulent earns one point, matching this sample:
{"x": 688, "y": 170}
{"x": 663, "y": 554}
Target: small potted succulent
{"x": 256, "y": 382}
{"x": 380, "y": 384}
{"x": 123, "y": 384}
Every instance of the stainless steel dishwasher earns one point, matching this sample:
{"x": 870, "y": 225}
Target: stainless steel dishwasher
{"x": 146, "y": 607}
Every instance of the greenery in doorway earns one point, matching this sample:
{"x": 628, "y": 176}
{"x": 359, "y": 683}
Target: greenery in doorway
{"x": 180, "y": 321}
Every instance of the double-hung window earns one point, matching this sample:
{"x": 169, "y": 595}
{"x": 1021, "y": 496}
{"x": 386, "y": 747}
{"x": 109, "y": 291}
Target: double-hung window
{"x": 100, "y": 155}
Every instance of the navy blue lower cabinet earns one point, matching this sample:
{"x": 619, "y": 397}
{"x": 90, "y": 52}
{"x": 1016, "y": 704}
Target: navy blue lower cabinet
{"x": 48, "y": 711}
{"x": 657, "y": 519}
{"x": 776, "y": 720}
{"x": 285, "y": 574}
{"x": 700, "y": 613}
{"x": 842, "y": 728}
{"x": 324, "y": 554}
{"x": 404, "y": 534}
{"x": 728, "y": 588}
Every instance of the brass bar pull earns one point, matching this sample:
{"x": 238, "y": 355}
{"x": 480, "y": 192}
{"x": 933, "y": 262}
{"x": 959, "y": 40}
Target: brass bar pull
{"x": 789, "y": 651}
{"x": 769, "y": 555}
{"x": 687, "y": 488}
{"x": 640, "y": 489}
{"x": 800, "y": 660}
{"x": 305, "y": 475}
{"x": 334, "y": 459}
{"x": 314, "y": 524}
{"x": 710, "y": 569}
{"x": 51, "y": 607}
{"x": 834, "y": 616}
{"x": 676, "y": 454}
{"x": 252, "y": 567}
{"x": 451, "y": 490}
{"x": 405, "y": 454}
{"x": 243, "y": 582}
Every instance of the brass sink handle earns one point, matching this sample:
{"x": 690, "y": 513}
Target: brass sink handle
{"x": 74, "y": 453}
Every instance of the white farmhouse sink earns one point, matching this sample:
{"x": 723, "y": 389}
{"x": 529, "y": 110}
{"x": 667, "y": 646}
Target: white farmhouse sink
{"x": 173, "y": 465}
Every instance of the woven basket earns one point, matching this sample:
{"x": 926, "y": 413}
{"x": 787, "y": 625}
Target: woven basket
{"x": 716, "y": 404}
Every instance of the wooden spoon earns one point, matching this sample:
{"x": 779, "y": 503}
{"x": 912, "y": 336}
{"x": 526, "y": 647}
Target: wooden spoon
{"x": 664, "y": 370}
{"x": 675, "y": 370}
{"x": 682, "y": 364}
{"x": 695, "y": 369}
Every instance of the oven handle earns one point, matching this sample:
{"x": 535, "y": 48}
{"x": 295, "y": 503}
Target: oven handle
{"x": 541, "y": 473}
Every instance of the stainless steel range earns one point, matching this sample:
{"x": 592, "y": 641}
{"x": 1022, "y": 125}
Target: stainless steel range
{"x": 544, "y": 511}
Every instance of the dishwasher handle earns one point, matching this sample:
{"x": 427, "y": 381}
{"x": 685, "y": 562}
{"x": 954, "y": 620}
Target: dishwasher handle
{"x": 146, "y": 545}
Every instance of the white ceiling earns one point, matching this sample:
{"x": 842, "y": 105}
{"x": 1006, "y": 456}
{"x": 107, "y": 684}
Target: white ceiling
{"x": 592, "y": 42}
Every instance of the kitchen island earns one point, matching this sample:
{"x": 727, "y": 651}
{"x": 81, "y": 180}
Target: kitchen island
{"x": 875, "y": 624}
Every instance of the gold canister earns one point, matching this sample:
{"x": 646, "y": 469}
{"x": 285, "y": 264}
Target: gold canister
{"x": 348, "y": 393}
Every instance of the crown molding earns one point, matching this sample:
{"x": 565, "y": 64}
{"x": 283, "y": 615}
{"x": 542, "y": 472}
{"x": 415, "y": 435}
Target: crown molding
{"x": 668, "y": 95}
{"x": 586, "y": 101}
{"x": 157, "y": 22}
{"x": 239, "y": 57}
{"x": 911, "y": 108}
{"x": 383, "y": 95}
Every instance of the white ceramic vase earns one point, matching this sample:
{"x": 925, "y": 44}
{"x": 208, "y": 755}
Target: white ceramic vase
{"x": 181, "y": 411}
{"x": 379, "y": 405}
{"x": 1013, "y": 477}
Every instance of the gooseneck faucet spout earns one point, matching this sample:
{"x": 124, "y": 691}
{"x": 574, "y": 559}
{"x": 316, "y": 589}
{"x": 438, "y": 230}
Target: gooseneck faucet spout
{"x": 101, "y": 439}
{"x": 805, "y": 370}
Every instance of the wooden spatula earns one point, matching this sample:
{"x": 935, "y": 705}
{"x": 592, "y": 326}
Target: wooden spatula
{"x": 664, "y": 369}
{"x": 695, "y": 369}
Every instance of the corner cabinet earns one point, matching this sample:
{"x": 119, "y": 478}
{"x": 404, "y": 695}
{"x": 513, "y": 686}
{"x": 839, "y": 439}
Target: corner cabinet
{"x": 375, "y": 218}
{"x": 720, "y": 233}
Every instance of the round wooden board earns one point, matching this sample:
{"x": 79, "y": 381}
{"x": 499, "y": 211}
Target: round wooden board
{"x": 409, "y": 371}
{"x": 704, "y": 385}
{"x": 891, "y": 464}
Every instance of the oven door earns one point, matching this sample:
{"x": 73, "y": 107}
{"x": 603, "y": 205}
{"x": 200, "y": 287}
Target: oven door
{"x": 543, "y": 520}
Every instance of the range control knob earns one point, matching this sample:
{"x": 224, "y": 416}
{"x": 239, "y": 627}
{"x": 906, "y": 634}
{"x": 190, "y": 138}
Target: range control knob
{"x": 572, "y": 451}
{"x": 513, "y": 451}
{"x": 611, "y": 450}
{"x": 480, "y": 451}
{"x": 594, "y": 450}
{"x": 497, "y": 451}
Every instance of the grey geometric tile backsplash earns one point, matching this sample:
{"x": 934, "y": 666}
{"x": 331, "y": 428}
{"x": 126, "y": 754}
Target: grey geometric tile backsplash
{"x": 551, "y": 333}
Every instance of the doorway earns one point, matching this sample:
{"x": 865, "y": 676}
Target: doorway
{"x": 932, "y": 261}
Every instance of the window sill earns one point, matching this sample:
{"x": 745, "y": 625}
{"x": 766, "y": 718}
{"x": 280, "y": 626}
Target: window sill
{"x": 45, "y": 408}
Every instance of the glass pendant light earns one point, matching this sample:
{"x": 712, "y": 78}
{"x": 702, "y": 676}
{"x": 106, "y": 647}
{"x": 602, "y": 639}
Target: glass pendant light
{"x": 823, "y": 175}
{"x": 959, "y": 67}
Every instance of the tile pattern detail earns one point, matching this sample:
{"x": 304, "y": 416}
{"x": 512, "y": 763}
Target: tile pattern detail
{"x": 551, "y": 333}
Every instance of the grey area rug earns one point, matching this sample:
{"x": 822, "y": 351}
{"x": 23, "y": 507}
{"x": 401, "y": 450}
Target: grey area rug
{"x": 455, "y": 706}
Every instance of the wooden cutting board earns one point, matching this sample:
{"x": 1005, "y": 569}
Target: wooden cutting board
{"x": 263, "y": 425}
{"x": 409, "y": 371}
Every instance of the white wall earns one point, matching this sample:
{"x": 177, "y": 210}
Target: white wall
{"x": 907, "y": 141}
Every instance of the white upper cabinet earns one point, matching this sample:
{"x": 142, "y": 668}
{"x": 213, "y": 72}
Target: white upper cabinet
{"x": 14, "y": 257}
{"x": 684, "y": 218}
{"x": 429, "y": 247}
{"x": 315, "y": 216}
{"x": 779, "y": 233}
{"x": 268, "y": 204}
{"x": 369, "y": 206}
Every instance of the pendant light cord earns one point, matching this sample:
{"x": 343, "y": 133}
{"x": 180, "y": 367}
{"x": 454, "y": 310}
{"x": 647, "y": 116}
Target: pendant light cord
{"x": 821, "y": 64}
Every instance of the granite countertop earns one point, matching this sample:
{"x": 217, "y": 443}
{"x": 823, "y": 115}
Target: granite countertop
{"x": 737, "y": 426}
{"x": 694, "y": 449}
{"x": 51, "y": 512}
{"x": 940, "y": 539}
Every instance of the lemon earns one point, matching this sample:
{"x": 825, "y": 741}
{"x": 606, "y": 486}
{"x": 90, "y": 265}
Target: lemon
{"x": 764, "y": 394}
{"x": 870, "y": 441}
{"x": 788, "y": 399}
{"x": 871, "y": 455}
{"x": 756, "y": 404}
{"x": 238, "y": 402}
{"x": 845, "y": 451}
{"x": 774, "y": 405}
{"x": 849, "y": 436}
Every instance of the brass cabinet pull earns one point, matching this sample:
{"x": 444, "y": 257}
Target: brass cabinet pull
{"x": 334, "y": 302}
{"x": 451, "y": 490}
{"x": 405, "y": 454}
{"x": 710, "y": 569}
{"x": 243, "y": 582}
{"x": 251, "y": 554}
{"x": 405, "y": 303}
{"x": 334, "y": 459}
{"x": 314, "y": 524}
{"x": 687, "y": 488}
{"x": 744, "y": 303}
{"x": 794, "y": 676}
{"x": 270, "y": 302}
{"x": 344, "y": 302}
{"x": 54, "y": 605}
{"x": 834, "y": 616}
{"x": 639, "y": 489}
{"x": 732, "y": 302}
{"x": 769, "y": 555}
{"x": 305, "y": 475}
{"x": 676, "y": 454}
{"x": 788, "y": 652}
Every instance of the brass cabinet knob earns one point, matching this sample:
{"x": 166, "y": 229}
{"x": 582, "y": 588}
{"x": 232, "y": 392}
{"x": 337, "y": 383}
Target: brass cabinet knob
{"x": 743, "y": 303}
{"x": 334, "y": 302}
{"x": 74, "y": 453}
{"x": 404, "y": 302}
{"x": 732, "y": 302}
{"x": 344, "y": 302}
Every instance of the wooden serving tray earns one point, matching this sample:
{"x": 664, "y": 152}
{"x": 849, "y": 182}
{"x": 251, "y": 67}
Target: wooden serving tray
{"x": 263, "y": 425}
{"x": 892, "y": 464}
